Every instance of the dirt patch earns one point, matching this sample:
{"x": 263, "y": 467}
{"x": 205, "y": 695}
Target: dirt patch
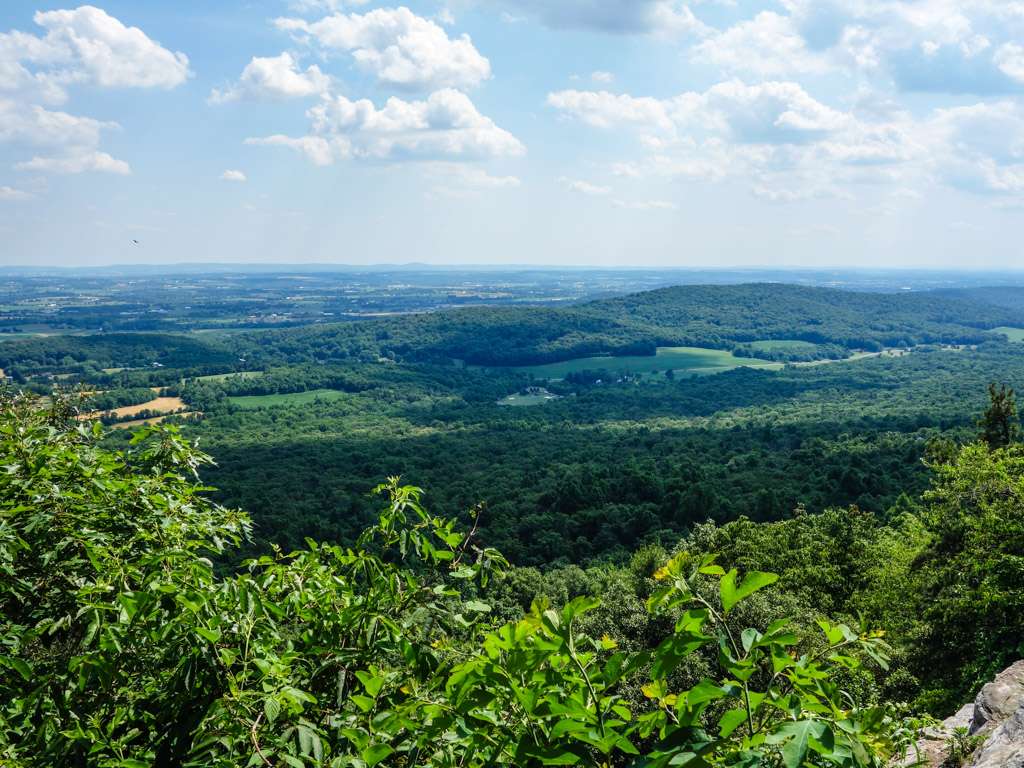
{"x": 154, "y": 420}
{"x": 165, "y": 405}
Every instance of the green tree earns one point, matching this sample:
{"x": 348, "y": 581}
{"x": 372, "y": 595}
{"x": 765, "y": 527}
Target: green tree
{"x": 1000, "y": 425}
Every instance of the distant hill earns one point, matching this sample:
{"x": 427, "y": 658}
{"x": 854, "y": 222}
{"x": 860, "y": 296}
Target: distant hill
{"x": 1009, "y": 297}
{"x": 718, "y": 316}
{"x": 835, "y": 322}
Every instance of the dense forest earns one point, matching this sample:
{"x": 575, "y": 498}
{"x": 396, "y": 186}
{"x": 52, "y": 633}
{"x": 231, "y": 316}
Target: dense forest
{"x": 603, "y": 469}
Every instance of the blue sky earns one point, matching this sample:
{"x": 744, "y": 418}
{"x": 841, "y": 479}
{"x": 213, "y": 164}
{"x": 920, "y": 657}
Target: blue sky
{"x": 601, "y": 132}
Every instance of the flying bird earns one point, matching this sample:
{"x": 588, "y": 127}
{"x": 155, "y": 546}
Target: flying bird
{"x": 136, "y": 242}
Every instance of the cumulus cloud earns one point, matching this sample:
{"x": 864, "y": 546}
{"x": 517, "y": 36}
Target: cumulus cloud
{"x": 664, "y": 17}
{"x": 84, "y": 46}
{"x": 77, "y": 162}
{"x": 274, "y": 78}
{"x": 398, "y": 47}
{"x": 444, "y": 125}
{"x": 769, "y": 113}
{"x": 790, "y": 147}
{"x": 941, "y": 46}
{"x": 585, "y": 187}
{"x": 769, "y": 45}
{"x": 602, "y": 77}
{"x": 317, "y": 149}
{"x": 233, "y": 176}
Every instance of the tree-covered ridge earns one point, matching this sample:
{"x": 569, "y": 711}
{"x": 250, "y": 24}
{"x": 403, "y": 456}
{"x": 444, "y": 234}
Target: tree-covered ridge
{"x": 719, "y": 317}
{"x": 134, "y": 652}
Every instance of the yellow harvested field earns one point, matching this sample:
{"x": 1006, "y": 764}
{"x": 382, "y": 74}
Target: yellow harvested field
{"x": 154, "y": 420}
{"x": 159, "y": 405}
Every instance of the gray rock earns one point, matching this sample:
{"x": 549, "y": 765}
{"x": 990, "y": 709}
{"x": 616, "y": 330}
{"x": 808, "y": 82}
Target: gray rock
{"x": 934, "y": 742}
{"x": 996, "y": 716}
{"x": 1005, "y": 747}
{"x": 999, "y": 700}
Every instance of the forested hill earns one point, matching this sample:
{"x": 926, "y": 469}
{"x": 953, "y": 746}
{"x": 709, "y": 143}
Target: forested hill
{"x": 720, "y": 317}
{"x": 1010, "y": 297}
{"x": 836, "y": 322}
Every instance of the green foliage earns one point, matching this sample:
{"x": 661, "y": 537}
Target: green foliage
{"x": 1000, "y": 425}
{"x": 121, "y": 645}
{"x": 972, "y": 572}
{"x": 960, "y": 746}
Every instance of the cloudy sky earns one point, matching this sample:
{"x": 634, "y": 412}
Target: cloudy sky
{"x": 605, "y": 132}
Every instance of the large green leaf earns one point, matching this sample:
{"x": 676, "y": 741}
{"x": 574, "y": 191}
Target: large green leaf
{"x": 752, "y": 581}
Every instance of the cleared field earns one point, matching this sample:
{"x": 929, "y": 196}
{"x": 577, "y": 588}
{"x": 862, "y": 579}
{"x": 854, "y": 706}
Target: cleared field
{"x": 684, "y": 360}
{"x": 784, "y": 345}
{"x": 223, "y": 376}
{"x": 159, "y": 405}
{"x": 251, "y": 402}
{"x": 524, "y": 401}
{"x": 1013, "y": 334}
{"x": 153, "y": 420}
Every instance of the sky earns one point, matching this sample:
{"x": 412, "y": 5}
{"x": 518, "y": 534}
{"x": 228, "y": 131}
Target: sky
{"x": 709, "y": 133}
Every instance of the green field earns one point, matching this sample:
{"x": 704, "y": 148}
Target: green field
{"x": 784, "y": 345}
{"x": 684, "y": 360}
{"x": 523, "y": 401}
{"x": 1013, "y": 334}
{"x": 223, "y": 376}
{"x": 253, "y": 402}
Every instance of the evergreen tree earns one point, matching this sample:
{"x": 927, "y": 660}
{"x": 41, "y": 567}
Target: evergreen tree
{"x": 1000, "y": 425}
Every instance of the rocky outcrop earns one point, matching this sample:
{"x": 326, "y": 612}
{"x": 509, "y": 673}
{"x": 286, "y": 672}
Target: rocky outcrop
{"x": 994, "y": 721}
{"x": 1005, "y": 747}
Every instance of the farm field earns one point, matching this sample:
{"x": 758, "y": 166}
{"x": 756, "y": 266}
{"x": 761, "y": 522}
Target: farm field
{"x": 786, "y": 345}
{"x": 253, "y": 402}
{"x": 686, "y": 360}
{"x": 165, "y": 405}
{"x": 525, "y": 401}
{"x": 1013, "y": 334}
{"x": 135, "y": 423}
{"x": 224, "y": 376}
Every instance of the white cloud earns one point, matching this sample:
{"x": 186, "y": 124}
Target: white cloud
{"x": 10, "y": 193}
{"x": 662, "y": 17}
{"x": 646, "y": 205}
{"x": 980, "y": 148}
{"x": 317, "y": 149}
{"x": 398, "y": 47}
{"x": 769, "y": 113}
{"x": 444, "y": 125}
{"x": 230, "y": 175}
{"x": 790, "y": 147}
{"x": 97, "y": 48}
{"x": 274, "y": 78}
{"x": 461, "y": 181}
{"x": 585, "y": 187}
{"x": 84, "y": 46}
{"x": 602, "y": 109}
{"x": 769, "y": 45}
{"x": 38, "y": 126}
{"x": 78, "y": 162}
{"x": 939, "y": 46}
{"x": 602, "y": 77}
